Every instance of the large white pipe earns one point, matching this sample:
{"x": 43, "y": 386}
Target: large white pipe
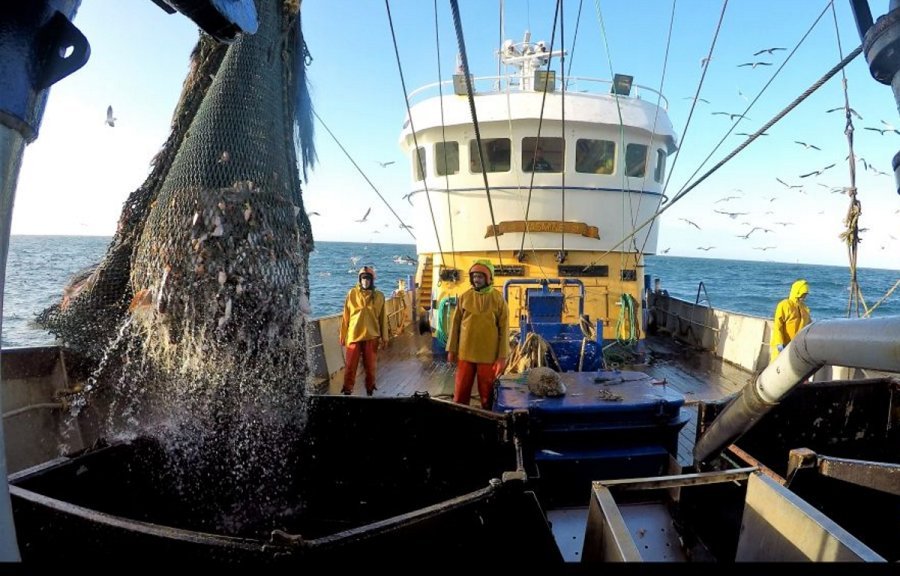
{"x": 872, "y": 343}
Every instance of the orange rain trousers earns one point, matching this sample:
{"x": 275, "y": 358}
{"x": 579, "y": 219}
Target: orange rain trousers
{"x": 465, "y": 377}
{"x": 367, "y": 349}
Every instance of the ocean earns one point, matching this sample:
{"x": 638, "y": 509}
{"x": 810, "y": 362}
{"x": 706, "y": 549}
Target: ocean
{"x": 39, "y": 267}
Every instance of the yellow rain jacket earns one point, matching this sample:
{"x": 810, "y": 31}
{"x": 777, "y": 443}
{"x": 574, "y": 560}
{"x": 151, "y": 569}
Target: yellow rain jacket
{"x": 791, "y": 315}
{"x": 365, "y": 316}
{"x": 479, "y": 331}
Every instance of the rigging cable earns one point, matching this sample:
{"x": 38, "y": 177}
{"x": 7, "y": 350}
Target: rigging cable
{"x": 419, "y": 160}
{"x": 561, "y": 257}
{"x": 437, "y": 41}
{"x": 360, "y": 170}
{"x": 621, "y": 142}
{"x": 521, "y": 253}
{"x": 461, "y": 45}
{"x": 574, "y": 37}
{"x": 851, "y": 234}
{"x": 806, "y": 94}
{"x": 659, "y": 98}
{"x": 753, "y": 102}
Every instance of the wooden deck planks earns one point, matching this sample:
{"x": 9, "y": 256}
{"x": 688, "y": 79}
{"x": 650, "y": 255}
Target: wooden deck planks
{"x": 406, "y": 367}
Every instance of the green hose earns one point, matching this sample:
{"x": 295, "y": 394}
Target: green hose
{"x": 443, "y": 319}
{"x": 627, "y": 313}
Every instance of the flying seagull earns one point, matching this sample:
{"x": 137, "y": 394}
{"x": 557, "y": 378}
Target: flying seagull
{"x": 767, "y": 51}
{"x": 807, "y": 146}
{"x": 764, "y": 248}
{"x": 748, "y": 134}
{"x": 696, "y": 99}
{"x": 110, "y": 120}
{"x": 882, "y": 130}
{"x": 732, "y": 215}
{"x": 313, "y": 214}
{"x": 366, "y": 215}
{"x": 789, "y": 185}
{"x": 386, "y": 164}
{"x": 852, "y": 111}
{"x": 817, "y": 172}
{"x": 691, "y": 223}
{"x": 730, "y": 115}
{"x": 754, "y": 64}
{"x": 705, "y": 248}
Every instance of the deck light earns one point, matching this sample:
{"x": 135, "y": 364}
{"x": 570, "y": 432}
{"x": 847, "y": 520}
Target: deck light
{"x": 544, "y": 80}
{"x": 621, "y": 85}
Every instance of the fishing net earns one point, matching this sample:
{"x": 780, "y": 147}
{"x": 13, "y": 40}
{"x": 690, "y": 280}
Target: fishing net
{"x": 196, "y": 317}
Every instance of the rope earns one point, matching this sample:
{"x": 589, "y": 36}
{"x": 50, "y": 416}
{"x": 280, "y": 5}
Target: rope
{"x": 561, "y": 257}
{"x": 655, "y": 121}
{"x": 412, "y": 129}
{"x": 437, "y": 41}
{"x": 540, "y": 125}
{"x": 574, "y": 37}
{"x": 363, "y": 174}
{"x": 851, "y": 234}
{"x": 440, "y": 330}
{"x": 461, "y": 44}
{"x": 627, "y": 322}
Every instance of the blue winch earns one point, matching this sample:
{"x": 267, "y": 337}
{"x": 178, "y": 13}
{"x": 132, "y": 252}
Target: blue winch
{"x": 572, "y": 347}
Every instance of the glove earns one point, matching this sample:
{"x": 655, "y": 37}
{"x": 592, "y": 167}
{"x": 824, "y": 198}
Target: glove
{"x": 499, "y": 366}
{"x": 780, "y": 347}
{"x": 451, "y": 357}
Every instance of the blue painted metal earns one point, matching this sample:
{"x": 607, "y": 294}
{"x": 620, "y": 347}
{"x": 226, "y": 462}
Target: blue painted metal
{"x": 38, "y": 47}
{"x": 543, "y": 316}
{"x": 609, "y": 424}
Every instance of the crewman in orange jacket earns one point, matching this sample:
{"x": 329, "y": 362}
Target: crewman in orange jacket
{"x": 364, "y": 327}
{"x": 791, "y": 316}
{"x": 479, "y": 336}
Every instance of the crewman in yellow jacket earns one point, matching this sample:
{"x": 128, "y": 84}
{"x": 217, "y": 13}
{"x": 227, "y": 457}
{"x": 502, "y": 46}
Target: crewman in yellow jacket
{"x": 791, "y": 315}
{"x": 364, "y": 326}
{"x": 479, "y": 336}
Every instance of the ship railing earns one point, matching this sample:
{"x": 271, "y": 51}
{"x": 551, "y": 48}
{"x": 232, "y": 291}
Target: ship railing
{"x": 501, "y": 84}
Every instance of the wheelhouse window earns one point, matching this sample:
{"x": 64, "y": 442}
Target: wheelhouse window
{"x": 595, "y": 156}
{"x": 496, "y": 155}
{"x": 635, "y": 160}
{"x": 544, "y": 155}
{"x": 446, "y": 158}
{"x": 660, "y": 171}
{"x": 419, "y": 163}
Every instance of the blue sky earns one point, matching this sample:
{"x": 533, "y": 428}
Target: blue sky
{"x": 79, "y": 172}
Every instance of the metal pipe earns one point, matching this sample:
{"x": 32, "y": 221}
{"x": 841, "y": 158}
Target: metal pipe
{"x": 872, "y": 343}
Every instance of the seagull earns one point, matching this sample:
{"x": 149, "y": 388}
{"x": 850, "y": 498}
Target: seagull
{"x": 807, "y": 146}
{"x": 704, "y": 61}
{"x": 363, "y": 219}
{"x": 789, "y": 185}
{"x": 747, "y": 134}
{"x": 725, "y": 199}
{"x": 732, "y": 215}
{"x": 696, "y": 99}
{"x": 881, "y": 130}
{"x": 110, "y": 120}
{"x": 408, "y": 198}
{"x": 386, "y": 164}
{"x": 852, "y": 111}
{"x": 785, "y": 223}
{"x": 705, "y": 248}
{"x": 754, "y": 64}
{"x": 764, "y": 248}
{"x": 730, "y": 115}
{"x": 691, "y": 223}
{"x": 817, "y": 172}
{"x": 407, "y": 226}
{"x": 767, "y": 51}
{"x": 313, "y": 214}
{"x": 665, "y": 251}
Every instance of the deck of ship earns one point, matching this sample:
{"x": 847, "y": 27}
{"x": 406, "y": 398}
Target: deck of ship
{"x": 407, "y": 367}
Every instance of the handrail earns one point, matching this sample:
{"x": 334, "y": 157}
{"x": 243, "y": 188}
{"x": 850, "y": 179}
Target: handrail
{"x": 500, "y": 84}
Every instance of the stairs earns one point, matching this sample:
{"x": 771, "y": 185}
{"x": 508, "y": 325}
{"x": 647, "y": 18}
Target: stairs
{"x": 423, "y": 283}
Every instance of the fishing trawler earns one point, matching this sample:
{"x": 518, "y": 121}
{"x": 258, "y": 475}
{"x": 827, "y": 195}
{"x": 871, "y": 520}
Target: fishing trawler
{"x": 687, "y": 447}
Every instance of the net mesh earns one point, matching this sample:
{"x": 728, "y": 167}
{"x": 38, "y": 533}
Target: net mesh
{"x": 193, "y": 326}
